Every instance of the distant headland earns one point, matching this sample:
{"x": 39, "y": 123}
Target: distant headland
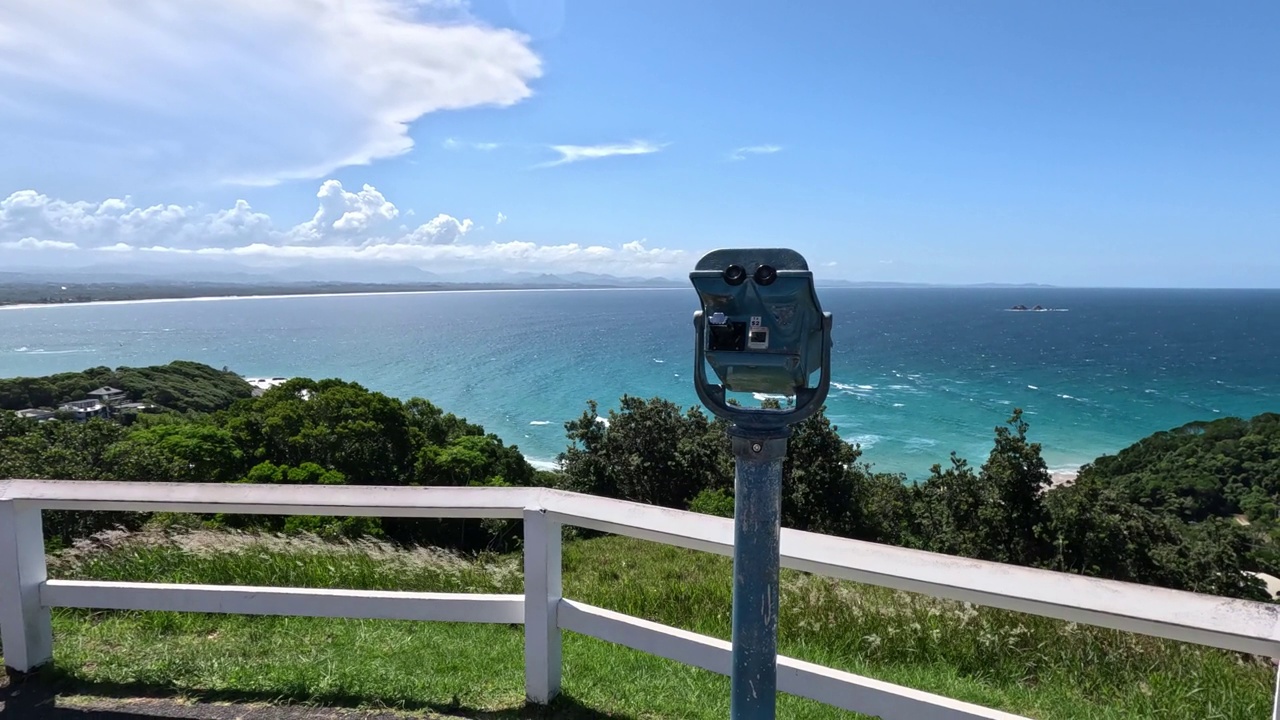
{"x": 79, "y": 287}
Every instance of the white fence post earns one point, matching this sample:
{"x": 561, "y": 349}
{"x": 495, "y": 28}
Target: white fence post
{"x": 1275, "y": 703}
{"x": 541, "y": 605}
{"x": 25, "y": 626}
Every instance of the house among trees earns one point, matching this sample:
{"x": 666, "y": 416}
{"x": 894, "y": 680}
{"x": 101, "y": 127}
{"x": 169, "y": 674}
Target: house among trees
{"x": 82, "y": 410}
{"x": 105, "y": 402}
{"x": 108, "y": 395}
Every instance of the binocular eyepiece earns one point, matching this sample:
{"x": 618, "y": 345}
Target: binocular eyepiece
{"x": 764, "y": 275}
{"x": 768, "y": 335}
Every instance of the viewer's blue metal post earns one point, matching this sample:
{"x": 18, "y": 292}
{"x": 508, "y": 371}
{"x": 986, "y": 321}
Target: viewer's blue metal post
{"x": 762, "y": 330}
{"x": 757, "y": 517}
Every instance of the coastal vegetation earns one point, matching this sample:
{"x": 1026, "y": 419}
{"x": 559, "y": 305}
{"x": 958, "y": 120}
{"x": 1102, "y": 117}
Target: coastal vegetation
{"x": 180, "y": 386}
{"x": 1190, "y": 509}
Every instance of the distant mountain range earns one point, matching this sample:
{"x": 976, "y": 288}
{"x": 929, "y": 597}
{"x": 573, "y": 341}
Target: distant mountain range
{"x": 319, "y": 275}
{"x": 410, "y": 276}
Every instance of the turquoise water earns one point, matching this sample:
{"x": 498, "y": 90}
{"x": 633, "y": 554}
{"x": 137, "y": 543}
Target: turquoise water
{"x": 919, "y": 372}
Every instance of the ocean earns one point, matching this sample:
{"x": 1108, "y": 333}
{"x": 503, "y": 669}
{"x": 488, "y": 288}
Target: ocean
{"x": 918, "y": 372}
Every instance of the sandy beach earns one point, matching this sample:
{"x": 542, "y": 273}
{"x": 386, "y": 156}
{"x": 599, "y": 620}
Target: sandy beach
{"x": 294, "y": 296}
{"x": 1062, "y": 477}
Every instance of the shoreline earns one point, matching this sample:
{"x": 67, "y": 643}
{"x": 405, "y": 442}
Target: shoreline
{"x": 1062, "y": 476}
{"x": 361, "y": 293}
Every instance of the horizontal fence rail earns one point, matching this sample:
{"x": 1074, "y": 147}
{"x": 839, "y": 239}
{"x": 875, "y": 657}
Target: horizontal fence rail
{"x": 297, "y": 602}
{"x": 1226, "y": 623}
{"x": 797, "y": 677}
{"x": 27, "y": 595}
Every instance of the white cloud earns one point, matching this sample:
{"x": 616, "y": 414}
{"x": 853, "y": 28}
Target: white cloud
{"x": 347, "y": 226}
{"x": 345, "y": 217}
{"x": 28, "y": 214}
{"x": 575, "y": 153}
{"x": 456, "y": 144}
{"x": 244, "y": 91}
{"x": 501, "y": 219}
{"x": 440, "y": 230}
{"x": 742, "y": 152}
{"x": 30, "y": 243}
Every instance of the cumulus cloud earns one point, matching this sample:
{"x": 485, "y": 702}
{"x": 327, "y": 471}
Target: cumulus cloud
{"x": 347, "y": 226}
{"x": 243, "y": 91}
{"x": 345, "y": 217}
{"x": 742, "y": 152}
{"x": 501, "y": 219}
{"x": 440, "y": 230}
{"x": 576, "y": 153}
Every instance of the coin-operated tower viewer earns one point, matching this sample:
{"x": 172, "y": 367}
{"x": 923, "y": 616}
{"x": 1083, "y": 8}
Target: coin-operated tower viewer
{"x": 761, "y": 330}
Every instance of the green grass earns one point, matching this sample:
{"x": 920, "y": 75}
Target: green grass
{"x": 1023, "y": 664}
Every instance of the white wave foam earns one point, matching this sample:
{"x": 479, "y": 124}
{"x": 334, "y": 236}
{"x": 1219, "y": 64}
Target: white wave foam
{"x": 539, "y": 422}
{"x": 766, "y": 396}
{"x": 24, "y": 348}
{"x": 1032, "y": 387}
{"x": 1066, "y": 397}
{"x": 919, "y": 443}
{"x": 899, "y": 405}
{"x": 867, "y": 441}
{"x": 658, "y": 360}
{"x": 543, "y": 464}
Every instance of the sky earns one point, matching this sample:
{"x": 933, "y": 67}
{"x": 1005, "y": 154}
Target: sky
{"x": 1080, "y": 144}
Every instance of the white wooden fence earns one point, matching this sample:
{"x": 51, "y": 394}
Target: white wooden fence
{"x": 26, "y": 594}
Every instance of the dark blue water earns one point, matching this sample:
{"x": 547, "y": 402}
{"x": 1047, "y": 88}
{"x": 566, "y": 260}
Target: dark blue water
{"x": 919, "y": 372}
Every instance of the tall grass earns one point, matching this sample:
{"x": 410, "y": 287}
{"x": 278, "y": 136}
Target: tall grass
{"x": 1024, "y": 664}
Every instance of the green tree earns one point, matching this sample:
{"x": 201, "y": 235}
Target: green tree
{"x": 1013, "y": 480}
{"x": 946, "y": 512}
{"x": 188, "y": 452}
{"x": 649, "y": 451}
{"x": 339, "y": 425}
{"x": 822, "y": 483}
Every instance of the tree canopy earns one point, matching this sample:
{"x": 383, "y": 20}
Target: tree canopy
{"x": 1200, "y": 470}
{"x": 1192, "y": 508}
{"x": 654, "y": 451}
{"x": 302, "y": 432}
{"x": 181, "y": 385}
